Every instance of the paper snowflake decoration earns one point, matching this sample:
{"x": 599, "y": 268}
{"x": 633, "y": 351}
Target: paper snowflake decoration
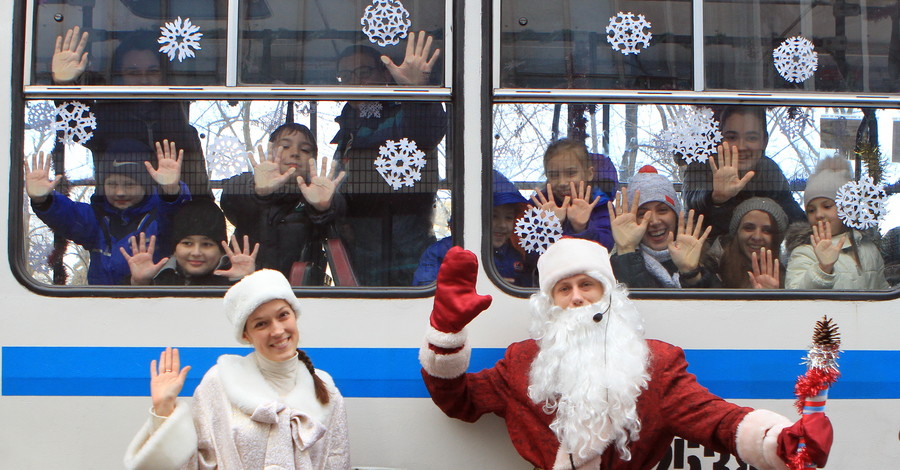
{"x": 370, "y": 109}
{"x": 302, "y": 107}
{"x": 628, "y": 34}
{"x": 76, "y": 122}
{"x": 537, "y": 229}
{"x": 179, "y": 38}
{"x": 693, "y": 134}
{"x": 385, "y": 22}
{"x": 40, "y": 116}
{"x": 227, "y": 157}
{"x": 795, "y": 122}
{"x": 795, "y": 59}
{"x": 400, "y": 163}
{"x": 861, "y": 204}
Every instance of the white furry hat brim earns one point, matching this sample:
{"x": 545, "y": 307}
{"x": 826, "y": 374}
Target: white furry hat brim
{"x": 243, "y": 298}
{"x": 569, "y": 257}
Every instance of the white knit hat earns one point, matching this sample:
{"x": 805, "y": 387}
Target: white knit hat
{"x": 654, "y": 187}
{"x": 830, "y": 174}
{"x": 571, "y": 256}
{"x": 243, "y": 298}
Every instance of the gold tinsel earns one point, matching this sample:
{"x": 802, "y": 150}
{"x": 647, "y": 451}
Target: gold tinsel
{"x": 870, "y": 155}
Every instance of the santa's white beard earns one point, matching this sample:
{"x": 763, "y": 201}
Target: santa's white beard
{"x": 590, "y": 373}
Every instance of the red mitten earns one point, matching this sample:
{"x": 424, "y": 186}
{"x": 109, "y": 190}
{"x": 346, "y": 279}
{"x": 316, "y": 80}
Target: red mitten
{"x": 815, "y": 431}
{"x": 455, "y": 301}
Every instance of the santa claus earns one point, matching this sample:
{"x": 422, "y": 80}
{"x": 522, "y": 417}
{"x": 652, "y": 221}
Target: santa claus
{"x": 588, "y": 391}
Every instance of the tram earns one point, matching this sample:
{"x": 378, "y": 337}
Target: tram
{"x": 511, "y": 76}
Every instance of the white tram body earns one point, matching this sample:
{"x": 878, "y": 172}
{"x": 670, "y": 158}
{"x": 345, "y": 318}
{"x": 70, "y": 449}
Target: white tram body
{"x": 74, "y": 371}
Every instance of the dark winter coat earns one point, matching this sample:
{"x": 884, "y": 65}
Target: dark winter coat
{"x": 598, "y": 227}
{"x": 172, "y": 275}
{"x": 510, "y": 264}
{"x": 630, "y": 270}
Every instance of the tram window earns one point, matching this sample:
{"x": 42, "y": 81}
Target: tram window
{"x": 300, "y": 42}
{"x": 129, "y": 43}
{"x": 633, "y": 146}
{"x": 564, "y": 45}
{"x": 393, "y": 203}
{"x": 853, "y": 43}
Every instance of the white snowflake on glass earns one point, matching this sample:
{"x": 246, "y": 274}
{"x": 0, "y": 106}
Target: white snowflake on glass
{"x": 400, "y": 163}
{"x": 41, "y": 115}
{"x": 370, "y": 109}
{"x": 795, "y": 59}
{"x": 628, "y": 34}
{"x": 179, "y": 38}
{"x": 693, "y": 134}
{"x": 302, "y": 107}
{"x": 76, "y": 121}
{"x": 227, "y": 157}
{"x": 861, "y": 204}
{"x": 537, "y": 229}
{"x": 385, "y": 22}
{"x": 795, "y": 122}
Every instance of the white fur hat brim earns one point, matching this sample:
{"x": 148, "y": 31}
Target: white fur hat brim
{"x": 243, "y": 298}
{"x": 569, "y": 257}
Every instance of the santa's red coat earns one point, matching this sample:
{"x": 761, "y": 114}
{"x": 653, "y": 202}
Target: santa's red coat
{"x": 674, "y": 404}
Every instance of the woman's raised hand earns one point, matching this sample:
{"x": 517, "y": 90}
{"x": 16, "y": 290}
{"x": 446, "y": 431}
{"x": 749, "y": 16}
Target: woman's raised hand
{"x": 727, "y": 182}
{"x": 267, "y": 175}
{"x": 548, "y": 203}
{"x": 37, "y": 178}
{"x": 416, "y": 67}
{"x": 322, "y": 184}
{"x": 686, "y": 246}
{"x": 166, "y": 381}
{"x": 626, "y": 229}
{"x": 69, "y": 59}
{"x": 243, "y": 262}
{"x": 140, "y": 261}
{"x": 766, "y": 272}
{"x": 580, "y": 209}
{"x": 168, "y": 163}
{"x": 826, "y": 252}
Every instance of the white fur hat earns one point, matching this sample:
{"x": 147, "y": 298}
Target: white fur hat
{"x": 831, "y": 173}
{"x": 571, "y": 256}
{"x": 243, "y": 298}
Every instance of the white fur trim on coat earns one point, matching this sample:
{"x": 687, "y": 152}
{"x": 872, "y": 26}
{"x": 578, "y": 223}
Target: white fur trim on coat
{"x": 446, "y": 340}
{"x": 445, "y": 366}
{"x": 166, "y": 448}
{"x": 757, "y": 439}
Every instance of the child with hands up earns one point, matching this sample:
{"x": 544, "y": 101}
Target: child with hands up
{"x": 124, "y": 204}
{"x": 656, "y": 245}
{"x": 826, "y": 254}
{"x": 582, "y": 212}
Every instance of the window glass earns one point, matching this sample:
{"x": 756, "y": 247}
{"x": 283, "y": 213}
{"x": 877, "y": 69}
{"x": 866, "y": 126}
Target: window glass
{"x": 314, "y": 42}
{"x": 854, "y": 44}
{"x": 391, "y": 205}
{"x": 566, "y": 44}
{"x": 805, "y": 164}
{"x": 130, "y": 43}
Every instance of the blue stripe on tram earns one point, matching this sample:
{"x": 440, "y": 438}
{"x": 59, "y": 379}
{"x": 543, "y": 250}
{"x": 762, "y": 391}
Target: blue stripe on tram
{"x": 394, "y": 372}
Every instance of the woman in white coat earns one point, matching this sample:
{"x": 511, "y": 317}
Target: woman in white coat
{"x": 270, "y": 409}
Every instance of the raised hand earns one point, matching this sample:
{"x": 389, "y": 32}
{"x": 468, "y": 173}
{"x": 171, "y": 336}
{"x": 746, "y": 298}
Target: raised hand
{"x": 727, "y": 182}
{"x": 140, "y": 262}
{"x": 766, "y": 272}
{"x": 548, "y": 203}
{"x": 416, "y": 67}
{"x": 168, "y": 172}
{"x": 69, "y": 59}
{"x": 686, "y": 246}
{"x": 580, "y": 209}
{"x": 267, "y": 175}
{"x": 37, "y": 178}
{"x": 166, "y": 381}
{"x": 456, "y": 303}
{"x": 322, "y": 184}
{"x": 826, "y": 252}
{"x": 627, "y": 231}
{"x": 243, "y": 262}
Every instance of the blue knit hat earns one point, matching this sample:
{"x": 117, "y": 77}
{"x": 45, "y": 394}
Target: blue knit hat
{"x": 125, "y": 157}
{"x": 505, "y": 192}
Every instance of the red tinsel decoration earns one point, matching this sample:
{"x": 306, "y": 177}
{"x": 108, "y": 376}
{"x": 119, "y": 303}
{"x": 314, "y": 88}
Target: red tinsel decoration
{"x": 812, "y": 383}
{"x": 800, "y": 460}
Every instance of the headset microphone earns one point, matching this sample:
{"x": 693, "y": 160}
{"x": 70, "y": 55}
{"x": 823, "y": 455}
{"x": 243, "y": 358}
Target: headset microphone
{"x": 598, "y": 317}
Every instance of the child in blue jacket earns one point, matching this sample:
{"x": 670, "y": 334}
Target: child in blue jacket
{"x": 124, "y": 204}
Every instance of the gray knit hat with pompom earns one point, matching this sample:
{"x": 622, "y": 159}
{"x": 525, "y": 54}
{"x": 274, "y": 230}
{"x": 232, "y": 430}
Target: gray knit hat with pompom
{"x": 831, "y": 173}
{"x": 758, "y": 204}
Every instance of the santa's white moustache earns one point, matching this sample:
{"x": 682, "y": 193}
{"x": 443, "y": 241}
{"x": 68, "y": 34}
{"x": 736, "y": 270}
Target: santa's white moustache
{"x": 590, "y": 373}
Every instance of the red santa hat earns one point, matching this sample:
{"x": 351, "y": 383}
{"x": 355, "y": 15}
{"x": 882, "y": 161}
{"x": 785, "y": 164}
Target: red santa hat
{"x": 571, "y": 256}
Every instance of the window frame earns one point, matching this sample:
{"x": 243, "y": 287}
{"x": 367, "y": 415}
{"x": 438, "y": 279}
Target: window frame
{"x": 21, "y": 91}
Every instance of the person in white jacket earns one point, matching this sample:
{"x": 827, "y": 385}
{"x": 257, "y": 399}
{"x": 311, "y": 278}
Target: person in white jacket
{"x": 269, "y": 409}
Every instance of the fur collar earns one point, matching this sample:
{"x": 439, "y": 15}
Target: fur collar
{"x": 247, "y": 389}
